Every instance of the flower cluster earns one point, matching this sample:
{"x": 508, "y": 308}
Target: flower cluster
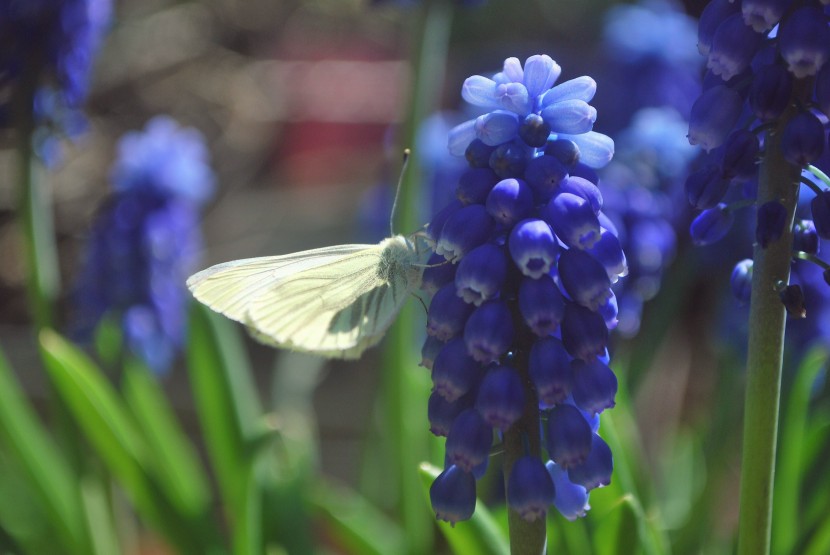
{"x": 769, "y": 67}
{"x": 521, "y": 294}
{"x": 50, "y": 44}
{"x": 145, "y": 239}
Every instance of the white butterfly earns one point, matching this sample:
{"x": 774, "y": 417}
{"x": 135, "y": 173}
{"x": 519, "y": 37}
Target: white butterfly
{"x": 335, "y": 301}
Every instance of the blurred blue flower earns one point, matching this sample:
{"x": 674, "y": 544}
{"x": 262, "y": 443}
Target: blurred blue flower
{"x": 145, "y": 239}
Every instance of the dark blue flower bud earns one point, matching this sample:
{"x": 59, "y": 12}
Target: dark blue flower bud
{"x": 489, "y": 332}
{"x": 706, "y": 187}
{"x": 772, "y": 216}
{"x": 733, "y": 47}
{"x": 596, "y": 471}
{"x": 533, "y": 247}
{"x": 740, "y": 156}
{"x": 478, "y": 154}
{"x": 820, "y": 207}
{"x": 805, "y": 237}
{"x": 584, "y": 188}
{"x": 741, "y": 280}
{"x": 509, "y": 201}
{"x": 453, "y": 495}
{"x": 447, "y": 313}
{"x": 438, "y": 273}
{"x": 564, "y": 150}
{"x": 713, "y": 15}
{"x": 572, "y": 116}
{"x": 584, "y": 278}
{"x": 793, "y": 298}
{"x": 571, "y": 499}
{"x": 438, "y": 220}
{"x": 550, "y": 370}
{"x": 711, "y": 225}
{"x": 501, "y": 397}
{"x": 442, "y": 413}
{"x": 454, "y": 372}
{"x": 475, "y": 184}
{"x": 544, "y": 174}
{"x": 609, "y": 252}
{"x": 587, "y": 173}
{"x": 481, "y": 274}
{"x": 568, "y": 438}
{"x": 803, "y": 139}
{"x": 609, "y": 311}
{"x": 534, "y": 131}
{"x": 823, "y": 89}
{"x": 465, "y": 229}
{"x": 497, "y": 127}
{"x": 508, "y": 160}
{"x": 429, "y": 351}
{"x": 573, "y": 220}
{"x": 713, "y": 116}
{"x": 770, "y": 92}
{"x": 469, "y": 440}
{"x": 584, "y": 333}
{"x": 530, "y": 489}
{"x": 804, "y": 41}
{"x": 595, "y": 386}
{"x": 541, "y": 304}
{"x": 595, "y": 149}
{"x": 763, "y": 15}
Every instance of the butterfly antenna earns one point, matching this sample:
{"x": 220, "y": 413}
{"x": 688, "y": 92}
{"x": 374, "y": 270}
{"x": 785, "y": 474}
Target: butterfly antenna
{"x": 406, "y": 154}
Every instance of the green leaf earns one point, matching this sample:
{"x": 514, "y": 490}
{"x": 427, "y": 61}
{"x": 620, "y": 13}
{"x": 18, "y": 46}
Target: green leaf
{"x": 174, "y": 462}
{"x": 99, "y": 517}
{"x": 50, "y": 475}
{"x": 247, "y": 525}
{"x": 481, "y": 534}
{"x": 614, "y": 534}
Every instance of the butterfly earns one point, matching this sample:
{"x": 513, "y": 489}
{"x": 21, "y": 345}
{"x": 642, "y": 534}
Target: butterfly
{"x": 335, "y": 301}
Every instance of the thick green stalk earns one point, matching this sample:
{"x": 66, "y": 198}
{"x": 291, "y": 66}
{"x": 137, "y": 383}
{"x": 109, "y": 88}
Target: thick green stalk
{"x": 778, "y": 180}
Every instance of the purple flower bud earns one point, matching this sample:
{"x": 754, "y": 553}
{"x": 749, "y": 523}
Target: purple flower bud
{"x": 442, "y": 413}
{"x": 596, "y": 470}
{"x": 584, "y": 333}
{"x": 530, "y": 488}
{"x": 571, "y": 499}
{"x": 584, "y": 188}
{"x": 437, "y": 224}
{"x": 480, "y": 91}
{"x": 540, "y": 73}
{"x": 508, "y": 160}
{"x": 772, "y": 216}
{"x": 609, "y": 311}
{"x": 609, "y": 252}
{"x": 501, "y": 397}
{"x": 733, "y": 47}
{"x": 429, "y": 351}
{"x": 805, "y": 237}
{"x": 568, "y": 436}
{"x": 741, "y": 280}
{"x": 465, "y": 229}
{"x": 497, "y": 127}
{"x": 763, "y": 15}
{"x": 573, "y": 220}
{"x": 711, "y": 225}
{"x": 584, "y": 278}
{"x": 595, "y": 149}
{"x": 792, "y": 296}
{"x": 544, "y": 174}
{"x": 509, "y": 201}
{"x": 570, "y": 116}
{"x": 437, "y": 274}
{"x": 469, "y": 440}
{"x": 595, "y": 386}
{"x": 534, "y": 131}
{"x": 581, "y": 88}
{"x": 533, "y": 247}
{"x": 475, "y": 184}
{"x": 715, "y": 13}
{"x": 804, "y": 41}
{"x": 447, "y": 313}
{"x": 514, "y": 97}
{"x": 541, "y": 304}
{"x": 489, "y": 332}
{"x": 740, "y": 156}
{"x": 478, "y": 154}
{"x": 823, "y": 89}
{"x": 820, "y": 207}
{"x": 461, "y": 137}
{"x": 550, "y": 370}
{"x": 454, "y": 372}
{"x": 563, "y": 150}
{"x": 481, "y": 274}
{"x": 803, "y": 139}
{"x": 713, "y": 116}
{"x": 770, "y": 92}
{"x": 453, "y": 495}
{"x": 706, "y": 187}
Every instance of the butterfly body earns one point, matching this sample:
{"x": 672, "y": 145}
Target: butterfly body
{"x": 335, "y": 301}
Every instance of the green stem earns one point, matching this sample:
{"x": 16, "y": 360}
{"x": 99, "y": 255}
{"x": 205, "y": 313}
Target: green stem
{"x": 523, "y": 438}
{"x": 778, "y": 180}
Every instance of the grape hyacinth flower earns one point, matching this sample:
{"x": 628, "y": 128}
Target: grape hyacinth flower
{"x": 144, "y": 241}
{"x": 534, "y": 259}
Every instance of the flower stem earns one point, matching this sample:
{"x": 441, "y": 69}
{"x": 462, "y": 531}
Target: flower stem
{"x": 778, "y": 180}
